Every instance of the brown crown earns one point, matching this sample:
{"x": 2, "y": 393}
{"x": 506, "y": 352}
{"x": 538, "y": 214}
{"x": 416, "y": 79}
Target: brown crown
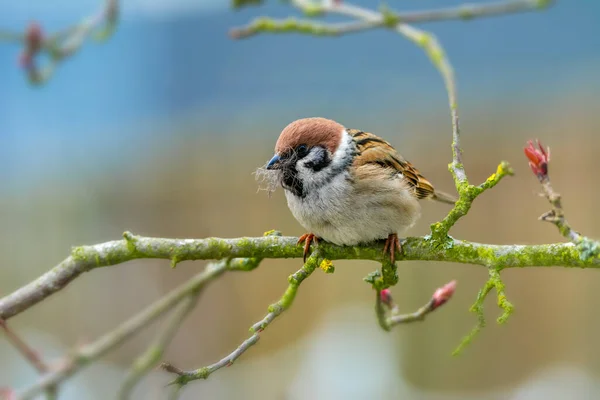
{"x": 311, "y": 132}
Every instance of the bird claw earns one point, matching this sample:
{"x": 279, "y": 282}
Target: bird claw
{"x": 307, "y": 239}
{"x": 392, "y": 244}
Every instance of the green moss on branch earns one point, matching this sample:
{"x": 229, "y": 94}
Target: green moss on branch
{"x": 87, "y": 258}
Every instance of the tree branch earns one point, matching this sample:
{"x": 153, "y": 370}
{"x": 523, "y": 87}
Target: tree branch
{"x": 88, "y": 353}
{"x": 289, "y": 25}
{"x": 30, "y": 354}
{"x": 62, "y": 44}
{"x": 384, "y": 305}
{"x": 471, "y": 11}
{"x": 428, "y": 42}
{"x": 385, "y": 18}
{"x": 539, "y": 160}
{"x": 154, "y": 353}
{"x": 87, "y": 258}
{"x": 184, "y": 377}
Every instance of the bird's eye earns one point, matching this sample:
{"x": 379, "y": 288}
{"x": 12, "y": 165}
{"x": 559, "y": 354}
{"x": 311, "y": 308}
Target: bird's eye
{"x": 302, "y": 150}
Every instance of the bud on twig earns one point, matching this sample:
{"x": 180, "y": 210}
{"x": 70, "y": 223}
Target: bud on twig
{"x": 386, "y": 297}
{"x": 33, "y": 39}
{"x": 7, "y": 394}
{"x": 443, "y": 294}
{"x": 538, "y": 159}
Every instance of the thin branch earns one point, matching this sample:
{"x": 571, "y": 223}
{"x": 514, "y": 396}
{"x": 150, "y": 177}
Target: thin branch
{"x": 388, "y": 314}
{"x": 429, "y": 43}
{"x": 63, "y": 44}
{"x": 184, "y": 377}
{"x": 556, "y": 216}
{"x": 86, "y": 354}
{"x": 289, "y": 25}
{"x": 153, "y": 355}
{"x": 539, "y": 162}
{"x": 30, "y": 354}
{"x": 436, "y": 54}
{"x": 494, "y": 282}
{"x": 418, "y": 315}
{"x": 376, "y": 20}
{"x": 471, "y": 11}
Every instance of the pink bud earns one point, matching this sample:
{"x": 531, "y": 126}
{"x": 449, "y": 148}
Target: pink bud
{"x": 34, "y": 36}
{"x": 386, "y": 297}
{"x": 538, "y": 159}
{"x": 33, "y": 43}
{"x": 443, "y": 294}
{"x": 7, "y": 393}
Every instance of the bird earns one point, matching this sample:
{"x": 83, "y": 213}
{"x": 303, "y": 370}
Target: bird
{"x": 347, "y": 186}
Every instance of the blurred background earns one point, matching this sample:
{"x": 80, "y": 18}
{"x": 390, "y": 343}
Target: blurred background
{"x": 159, "y": 130}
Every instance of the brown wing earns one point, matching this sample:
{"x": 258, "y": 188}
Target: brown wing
{"x": 374, "y": 150}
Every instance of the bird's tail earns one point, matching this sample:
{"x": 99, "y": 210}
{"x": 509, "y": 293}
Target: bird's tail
{"x": 444, "y": 197}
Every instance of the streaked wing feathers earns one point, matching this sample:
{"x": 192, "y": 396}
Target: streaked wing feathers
{"x": 374, "y": 150}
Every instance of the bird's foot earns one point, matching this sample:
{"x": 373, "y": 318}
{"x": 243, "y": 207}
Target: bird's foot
{"x": 392, "y": 244}
{"x": 307, "y": 239}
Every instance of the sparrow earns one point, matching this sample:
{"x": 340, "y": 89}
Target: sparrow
{"x": 347, "y": 186}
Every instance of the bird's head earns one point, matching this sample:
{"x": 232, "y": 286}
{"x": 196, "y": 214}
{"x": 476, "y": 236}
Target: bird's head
{"x": 304, "y": 155}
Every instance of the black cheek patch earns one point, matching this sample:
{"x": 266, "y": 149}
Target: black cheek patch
{"x": 318, "y": 165}
{"x": 291, "y": 182}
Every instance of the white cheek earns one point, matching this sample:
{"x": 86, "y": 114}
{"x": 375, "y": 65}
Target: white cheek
{"x": 307, "y": 174}
{"x": 340, "y": 159}
{"x": 342, "y": 152}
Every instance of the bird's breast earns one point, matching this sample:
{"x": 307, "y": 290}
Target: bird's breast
{"x": 343, "y": 214}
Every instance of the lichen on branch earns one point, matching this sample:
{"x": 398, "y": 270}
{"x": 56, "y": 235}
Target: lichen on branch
{"x": 274, "y": 310}
{"x": 87, "y": 258}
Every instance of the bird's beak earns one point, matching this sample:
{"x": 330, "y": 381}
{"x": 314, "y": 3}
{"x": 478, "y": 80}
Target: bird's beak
{"x": 274, "y": 162}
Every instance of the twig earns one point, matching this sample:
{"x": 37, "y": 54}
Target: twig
{"x": 494, "y": 282}
{"x": 60, "y": 45}
{"x": 462, "y": 12}
{"x": 427, "y": 41}
{"x": 384, "y": 305}
{"x": 471, "y": 11}
{"x": 399, "y": 22}
{"x": 184, "y": 377}
{"x": 30, "y": 354}
{"x": 298, "y": 26}
{"x": 539, "y": 160}
{"x": 88, "y": 353}
{"x": 154, "y": 353}
{"x": 556, "y": 216}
